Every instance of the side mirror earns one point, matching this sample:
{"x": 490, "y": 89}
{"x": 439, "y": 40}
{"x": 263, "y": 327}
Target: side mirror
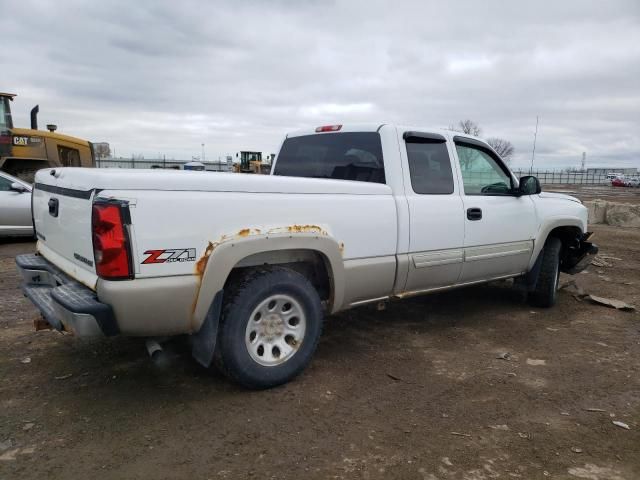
{"x": 529, "y": 185}
{"x": 18, "y": 187}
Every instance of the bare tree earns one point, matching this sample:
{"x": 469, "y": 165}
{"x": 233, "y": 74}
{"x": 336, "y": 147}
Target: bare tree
{"x": 102, "y": 150}
{"x": 469, "y": 127}
{"x": 503, "y": 147}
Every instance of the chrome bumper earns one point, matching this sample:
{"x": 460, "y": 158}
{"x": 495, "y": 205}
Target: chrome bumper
{"x": 64, "y": 303}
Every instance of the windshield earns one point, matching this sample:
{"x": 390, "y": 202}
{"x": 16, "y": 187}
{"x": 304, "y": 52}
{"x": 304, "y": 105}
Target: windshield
{"x": 5, "y": 114}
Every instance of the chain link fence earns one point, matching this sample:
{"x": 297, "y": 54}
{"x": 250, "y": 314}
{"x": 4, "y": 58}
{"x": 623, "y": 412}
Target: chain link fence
{"x": 550, "y": 177}
{"x": 546, "y": 177}
{"x": 160, "y": 163}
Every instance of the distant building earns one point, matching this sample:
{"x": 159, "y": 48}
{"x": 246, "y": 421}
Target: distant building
{"x": 604, "y": 171}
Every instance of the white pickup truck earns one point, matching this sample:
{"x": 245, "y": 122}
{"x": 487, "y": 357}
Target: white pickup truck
{"x": 248, "y": 265}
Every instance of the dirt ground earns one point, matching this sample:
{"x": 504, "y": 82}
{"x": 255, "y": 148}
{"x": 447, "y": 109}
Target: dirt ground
{"x": 598, "y": 192}
{"x": 416, "y": 391}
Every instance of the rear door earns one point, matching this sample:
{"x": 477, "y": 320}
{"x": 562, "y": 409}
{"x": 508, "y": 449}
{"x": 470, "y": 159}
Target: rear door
{"x": 499, "y": 226}
{"x": 435, "y": 212}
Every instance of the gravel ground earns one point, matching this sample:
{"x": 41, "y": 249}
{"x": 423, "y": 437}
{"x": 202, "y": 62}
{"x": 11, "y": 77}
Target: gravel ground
{"x": 598, "y": 192}
{"x": 469, "y": 384}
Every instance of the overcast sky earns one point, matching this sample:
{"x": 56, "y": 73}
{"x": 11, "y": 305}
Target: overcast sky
{"x": 165, "y": 76}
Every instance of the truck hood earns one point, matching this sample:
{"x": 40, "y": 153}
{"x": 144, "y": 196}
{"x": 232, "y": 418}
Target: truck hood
{"x": 561, "y": 196}
{"x": 170, "y": 180}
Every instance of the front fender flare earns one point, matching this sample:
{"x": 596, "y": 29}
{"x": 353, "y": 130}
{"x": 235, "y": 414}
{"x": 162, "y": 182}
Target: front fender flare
{"x": 546, "y": 228}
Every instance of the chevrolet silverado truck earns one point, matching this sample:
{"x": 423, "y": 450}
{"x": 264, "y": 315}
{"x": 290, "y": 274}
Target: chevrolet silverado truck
{"x": 248, "y": 265}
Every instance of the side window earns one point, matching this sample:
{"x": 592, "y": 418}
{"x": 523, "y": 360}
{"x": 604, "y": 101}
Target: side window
{"x": 69, "y": 157}
{"x": 429, "y": 166}
{"x": 481, "y": 174}
{"x": 5, "y": 184}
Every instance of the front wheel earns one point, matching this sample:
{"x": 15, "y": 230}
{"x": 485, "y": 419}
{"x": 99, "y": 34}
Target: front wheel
{"x": 546, "y": 290}
{"x": 270, "y": 327}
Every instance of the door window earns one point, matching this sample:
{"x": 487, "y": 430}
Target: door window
{"x": 481, "y": 173}
{"x": 429, "y": 166}
{"x": 5, "y": 184}
{"x": 69, "y": 157}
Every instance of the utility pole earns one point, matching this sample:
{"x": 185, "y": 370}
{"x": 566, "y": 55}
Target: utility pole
{"x": 203, "y": 153}
{"x": 584, "y": 160}
{"x": 533, "y": 154}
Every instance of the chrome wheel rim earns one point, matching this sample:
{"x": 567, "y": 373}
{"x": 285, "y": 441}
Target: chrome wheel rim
{"x": 275, "y": 330}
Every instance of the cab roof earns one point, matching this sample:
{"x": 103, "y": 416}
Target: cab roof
{"x": 8, "y": 95}
{"x": 374, "y": 127}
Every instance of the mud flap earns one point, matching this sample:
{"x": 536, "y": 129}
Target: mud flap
{"x": 527, "y": 283}
{"x": 203, "y": 343}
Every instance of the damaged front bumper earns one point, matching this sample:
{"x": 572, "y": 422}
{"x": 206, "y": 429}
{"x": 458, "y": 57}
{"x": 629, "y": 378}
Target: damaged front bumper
{"x": 64, "y": 303}
{"x": 579, "y": 256}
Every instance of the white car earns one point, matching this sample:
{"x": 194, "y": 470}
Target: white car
{"x": 15, "y": 207}
{"x": 349, "y": 215}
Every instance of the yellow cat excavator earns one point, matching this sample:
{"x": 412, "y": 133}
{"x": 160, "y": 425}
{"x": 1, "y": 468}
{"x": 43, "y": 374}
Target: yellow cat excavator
{"x": 24, "y": 151}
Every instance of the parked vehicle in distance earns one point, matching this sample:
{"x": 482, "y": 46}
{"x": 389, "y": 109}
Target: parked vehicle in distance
{"x": 612, "y": 176}
{"x": 15, "y": 207}
{"x": 617, "y": 182}
{"x": 24, "y": 151}
{"x": 349, "y": 215}
{"x": 623, "y": 181}
{"x": 194, "y": 166}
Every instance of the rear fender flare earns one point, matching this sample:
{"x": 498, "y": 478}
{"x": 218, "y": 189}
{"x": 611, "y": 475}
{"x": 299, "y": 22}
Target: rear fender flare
{"x": 224, "y": 256}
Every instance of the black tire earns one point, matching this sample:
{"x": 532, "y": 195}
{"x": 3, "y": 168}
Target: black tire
{"x": 247, "y": 293}
{"x": 546, "y": 290}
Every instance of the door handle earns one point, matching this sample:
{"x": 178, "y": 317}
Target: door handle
{"x": 474, "y": 213}
{"x": 53, "y": 207}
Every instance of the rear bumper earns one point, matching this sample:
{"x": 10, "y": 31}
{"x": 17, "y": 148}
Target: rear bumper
{"x": 65, "y": 304}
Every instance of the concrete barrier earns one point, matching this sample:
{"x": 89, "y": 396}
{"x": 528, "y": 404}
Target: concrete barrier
{"x": 612, "y": 213}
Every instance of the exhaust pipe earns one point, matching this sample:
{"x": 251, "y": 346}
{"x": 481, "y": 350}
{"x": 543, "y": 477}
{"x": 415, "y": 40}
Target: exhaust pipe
{"x": 34, "y": 117}
{"x": 158, "y": 356}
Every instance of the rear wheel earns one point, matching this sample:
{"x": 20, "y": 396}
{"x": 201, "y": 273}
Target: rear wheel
{"x": 270, "y": 327}
{"x": 546, "y": 290}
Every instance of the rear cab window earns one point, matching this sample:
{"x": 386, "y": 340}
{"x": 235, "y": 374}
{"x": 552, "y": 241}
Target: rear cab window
{"x": 340, "y": 156}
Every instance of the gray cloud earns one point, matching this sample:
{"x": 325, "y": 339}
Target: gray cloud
{"x": 152, "y": 77}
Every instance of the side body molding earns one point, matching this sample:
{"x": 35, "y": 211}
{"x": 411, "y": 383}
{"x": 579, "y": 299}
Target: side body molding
{"x": 228, "y": 253}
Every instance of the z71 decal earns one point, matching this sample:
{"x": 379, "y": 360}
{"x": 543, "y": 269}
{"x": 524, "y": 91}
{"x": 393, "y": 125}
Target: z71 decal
{"x": 170, "y": 255}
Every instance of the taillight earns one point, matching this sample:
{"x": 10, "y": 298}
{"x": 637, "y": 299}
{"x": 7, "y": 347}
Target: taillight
{"x": 328, "y": 128}
{"x": 110, "y": 242}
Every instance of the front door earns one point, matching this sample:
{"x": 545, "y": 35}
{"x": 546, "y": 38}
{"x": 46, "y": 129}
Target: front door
{"x": 499, "y": 226}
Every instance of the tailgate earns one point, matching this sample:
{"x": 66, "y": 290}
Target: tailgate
{"x": 62, "y": 218}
